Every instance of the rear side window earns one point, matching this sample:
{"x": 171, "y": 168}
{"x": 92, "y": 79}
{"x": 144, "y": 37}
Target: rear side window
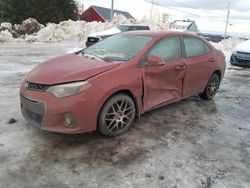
{"x": 169, "y": 49}
{"x": 194, "y": 47}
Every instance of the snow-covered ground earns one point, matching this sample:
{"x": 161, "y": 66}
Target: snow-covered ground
{"x": 189, "y": 144}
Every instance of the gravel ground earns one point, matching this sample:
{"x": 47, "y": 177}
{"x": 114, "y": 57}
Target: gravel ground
{"x": 192, "y": 143}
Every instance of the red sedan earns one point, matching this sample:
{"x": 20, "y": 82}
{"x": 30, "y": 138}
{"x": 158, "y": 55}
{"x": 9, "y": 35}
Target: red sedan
{"x": 104, "y": 87}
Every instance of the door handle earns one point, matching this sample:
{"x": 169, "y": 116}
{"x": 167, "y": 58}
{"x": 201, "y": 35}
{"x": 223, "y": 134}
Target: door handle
{"x": 180, "y": 67}
{"x": 212, "y": 59}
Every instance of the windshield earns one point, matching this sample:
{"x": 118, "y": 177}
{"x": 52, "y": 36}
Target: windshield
{"x": 118, "y": 47}
{"x": 123, "y": 28}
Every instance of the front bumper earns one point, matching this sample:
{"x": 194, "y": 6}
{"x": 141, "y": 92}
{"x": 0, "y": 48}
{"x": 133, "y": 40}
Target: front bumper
{"x": 33, "y": 110}
{"x": 236, "y": 61}
{"x": 48, "y": 112}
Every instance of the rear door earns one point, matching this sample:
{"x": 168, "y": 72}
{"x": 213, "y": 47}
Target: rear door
{"x": 200, "y": 60}
{"x": 164, "y": 83}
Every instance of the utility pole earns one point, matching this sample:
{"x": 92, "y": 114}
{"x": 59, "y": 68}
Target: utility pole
{"x": 228, "y": 14}
{"x": 82, "y": 8}
{"x": 112, "y": 10}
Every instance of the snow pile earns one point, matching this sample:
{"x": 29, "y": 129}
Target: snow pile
{"x": 29, "y": 26}
{"x": 227, "y": 46}
{"x": 6, "y": 25}
{"x": 67, "y": 31}
{"x": 6, "y": 36}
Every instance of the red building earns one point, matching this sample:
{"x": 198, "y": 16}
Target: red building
{"x": 101, "y": 14}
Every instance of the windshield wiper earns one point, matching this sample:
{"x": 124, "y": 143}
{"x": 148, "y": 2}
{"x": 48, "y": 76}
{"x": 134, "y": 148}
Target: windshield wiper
{"x": 96, "y": 57}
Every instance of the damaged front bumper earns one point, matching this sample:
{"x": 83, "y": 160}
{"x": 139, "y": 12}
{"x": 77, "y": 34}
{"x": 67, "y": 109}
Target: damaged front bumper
{"x": 72, "y": 115}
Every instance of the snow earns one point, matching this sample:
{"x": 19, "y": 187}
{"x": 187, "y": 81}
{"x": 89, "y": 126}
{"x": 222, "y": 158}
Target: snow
{"x": 6, "y": 36}
{"x": 243, "y": 47}
{"x": 67, "y": 31}
{"x": 74, "y": 31}
{"x": 111, "y": 31}
{"x": 227, "y": 46}
{"x": 6, "y": 25}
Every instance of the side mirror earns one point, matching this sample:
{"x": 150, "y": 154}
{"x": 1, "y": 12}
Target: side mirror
{"x": 155, "y": 60}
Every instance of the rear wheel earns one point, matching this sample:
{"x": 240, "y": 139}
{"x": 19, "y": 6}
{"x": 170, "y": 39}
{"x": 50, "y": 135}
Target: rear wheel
{"x": 211, "y": 88}
{"x": 116, "y": 115}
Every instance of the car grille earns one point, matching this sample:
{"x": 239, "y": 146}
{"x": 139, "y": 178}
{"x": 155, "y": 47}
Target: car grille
{"x": 242, "y": 61}
{"x": 36, "y": 87}
{"x": 243, "y": 55}
{"x": 93, "y": 39}
{"x": 33, "y": 111}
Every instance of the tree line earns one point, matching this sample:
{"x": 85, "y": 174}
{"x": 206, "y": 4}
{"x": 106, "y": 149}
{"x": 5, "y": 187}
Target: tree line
{"x": 15, "y": 11}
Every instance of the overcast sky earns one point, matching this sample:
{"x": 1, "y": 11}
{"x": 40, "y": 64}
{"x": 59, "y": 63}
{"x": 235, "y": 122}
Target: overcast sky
{"x": 240, "y": 5}
{"x": 210, "y": 15}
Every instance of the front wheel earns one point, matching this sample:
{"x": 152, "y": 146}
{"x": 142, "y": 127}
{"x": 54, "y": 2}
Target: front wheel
{"x": 211, "y": 88}
{"x": 117, "y": 115}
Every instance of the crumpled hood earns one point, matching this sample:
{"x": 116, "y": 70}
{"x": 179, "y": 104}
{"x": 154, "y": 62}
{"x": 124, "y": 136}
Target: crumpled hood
{"x": 111, "y": 31}
{"x": 243, "y": 47}
{"x": 68, "y": 68}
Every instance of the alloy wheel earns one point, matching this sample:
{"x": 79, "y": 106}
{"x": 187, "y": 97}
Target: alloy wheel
{"x": 213, "y": 86}
{"x": 119, "y": 116}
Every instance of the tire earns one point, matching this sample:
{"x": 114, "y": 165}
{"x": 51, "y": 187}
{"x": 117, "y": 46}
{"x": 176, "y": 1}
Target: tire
{"x": 211, "y": 88}
{"x": 116, "y": 115}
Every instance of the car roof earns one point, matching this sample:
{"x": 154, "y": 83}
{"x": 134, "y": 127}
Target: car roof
{"x": 159, "y": 33}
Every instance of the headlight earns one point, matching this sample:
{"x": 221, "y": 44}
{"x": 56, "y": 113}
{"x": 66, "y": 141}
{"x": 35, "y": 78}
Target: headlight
{"x": 65, "y": 90}
{"x": 234, "y": 52}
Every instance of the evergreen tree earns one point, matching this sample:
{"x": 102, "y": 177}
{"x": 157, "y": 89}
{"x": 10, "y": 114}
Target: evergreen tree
{"x": 44, "y": 11}
{"x": 14, "y": 10}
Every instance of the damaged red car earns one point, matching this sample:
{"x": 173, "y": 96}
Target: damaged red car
{"x": 106, "y": 86}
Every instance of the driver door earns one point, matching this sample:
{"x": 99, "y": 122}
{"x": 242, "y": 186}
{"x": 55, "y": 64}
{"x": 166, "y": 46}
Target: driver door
{"x": 164, "y": 83}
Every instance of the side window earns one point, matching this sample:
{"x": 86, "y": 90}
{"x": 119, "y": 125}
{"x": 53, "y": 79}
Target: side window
{"x": 132, "y": 28}
{"x": 194, "y": 47}
{"x": 142, "y": 28}
{"x": 207, "y": 48}
{"x": 169, "y": 49}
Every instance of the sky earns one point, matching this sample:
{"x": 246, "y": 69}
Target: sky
{"x": 209, "y": 15}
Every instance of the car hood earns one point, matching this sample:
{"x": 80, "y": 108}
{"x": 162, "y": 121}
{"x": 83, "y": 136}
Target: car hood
{"x": 243, "y": 47}
{"x": 111, "y": 31}
{"x": 68, "y": 68}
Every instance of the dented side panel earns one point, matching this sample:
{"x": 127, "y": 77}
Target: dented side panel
{"x": 163, "y": 83}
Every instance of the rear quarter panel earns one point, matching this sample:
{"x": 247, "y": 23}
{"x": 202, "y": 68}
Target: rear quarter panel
{"x": 221, "y": 62}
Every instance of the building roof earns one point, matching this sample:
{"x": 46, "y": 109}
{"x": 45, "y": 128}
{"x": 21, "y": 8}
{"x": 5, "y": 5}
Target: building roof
{"x": 105, "y": 12}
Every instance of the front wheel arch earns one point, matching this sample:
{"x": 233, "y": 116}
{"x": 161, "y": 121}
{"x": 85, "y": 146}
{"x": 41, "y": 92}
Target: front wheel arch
{"x": 131, "y": 95}
{"x": 218, "y": 72}
{"x": 106, "y": 105}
